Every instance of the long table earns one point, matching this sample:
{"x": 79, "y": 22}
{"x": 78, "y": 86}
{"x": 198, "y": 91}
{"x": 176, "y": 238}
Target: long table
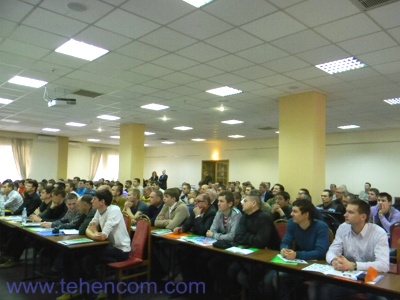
{"x": 388, "y": 286}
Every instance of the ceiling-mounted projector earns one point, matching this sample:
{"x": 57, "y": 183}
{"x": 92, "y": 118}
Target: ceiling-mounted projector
{"x": 61, "y": 102}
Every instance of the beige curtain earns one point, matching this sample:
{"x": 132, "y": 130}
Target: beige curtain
{"x": 22, "y": 150}
{"x": 95, "y": 156}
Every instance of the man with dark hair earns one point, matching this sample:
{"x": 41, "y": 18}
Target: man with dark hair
{"x": 358, "y": 245}
{"x": 384, "y": 214}
{"x": 185, "y": 193}
{"x": 281, "y": 209}
{"x": 60, "y": 184}
{"x": 128, "y": 185}
{"x": 163, "y": 180}
{"x": 373, "y": 196}
{"x": 136, "y": 185}
{"x": 46, "y": 196}
{"x": 107, "y": 224}
{"x": 118, "y": 199}
{"x": 363, "y": 195}
{"x": 90, "y": 188}
{"x": 311, "y": 238}
{"x": 12, "y": 199}
{"x": 329, "y": 205}
{"x": 84, "y": 205}
{"x": 275, "y": 190}
{"x": 31, "y": 198}
{"x": 174, "y": 212}
{"x": 146, "y": 194}
{"x": 56, "y": 210}
{"x": 81, "y": 190}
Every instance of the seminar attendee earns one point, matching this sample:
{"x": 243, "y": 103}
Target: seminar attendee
{"x": 174, "y": 212}
{"x": 156, "y": 204}
{"x": 373, "y": 196}
{"x": 363, "y": 195}
{"x": 134, "y": 207}
{"x": 12, "y": 199}
{"x": 384, "y": 214}
{"x": 118, "y": 199}
{"x": 358, "y": 245}
{"x": 31, "y": 198}
{"x": 282, "y": 209}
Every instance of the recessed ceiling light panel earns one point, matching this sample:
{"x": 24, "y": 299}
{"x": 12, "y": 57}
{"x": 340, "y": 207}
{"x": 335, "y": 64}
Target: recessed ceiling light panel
{"x": 198, "y": 140}
{"x": 232, "y": 122}
{"x": 154, "y": 106}
{"x": 392, "y": 101}
{"x": 168, "y": 142}
{"x": 236, "y": 136}
{"x": 26, "y": 81}
{"x": 81, "y": 50}
{"x": 148, "y": 133}
{"x": 183, "y": 128}
{"x": 5, "y": 101}
{"x": 75, "y": 124}
{"x": 93, "y": 140}
{"x": 108, "y": 117}
{"x": 341, "y": 65}
{"x": 348, "y": 126}
{"x": 224, "y": 91}
{"x": 115, "y": 136}
{"x": 198, "y": 3}
{"x": 51, "y": 129}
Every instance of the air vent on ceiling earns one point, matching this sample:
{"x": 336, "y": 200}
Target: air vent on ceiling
{"x": 86, "y": 93}
{"x": 370, "y": 4}
{"x": 267, "y": 128}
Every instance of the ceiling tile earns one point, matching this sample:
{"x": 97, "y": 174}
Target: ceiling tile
{"x": 348, "y": 28}
{"x": 55, "y": 23}
{"x": 281, "y": 23}
{"x": 159, "y": 84}
{"x": 127, "y": 24}
{"x": 234, "y": 40}
{"x": 102, "y": 38}
{"x": 95, "y": 10}
{"x": 381, "y": 57}
{"x": 37, "y": 37}
{"x": 306, "y": 73}
{"x": 202, "y": 52}
{"x": 286, "y": 64}
{"x": 286, "y": 3}
{"x": 295, "y": 43}
{"x": 151, "y": 70}
{"x": 389, "y": 68}
{"x": 141, "y": 51}
{"x": 119, "y": 61}
{"x": 14, "y": 10}
{"x": 161, "y": 11}
{"x": 323, "y": 55}
{"x": 174, "y": 62}
{"x": 65, "y": 60}
{"x": 6, "y": 27}
{"x": 200, "y": 25}
{"x": 262, "y": 53}
{"x": 227, "y": 79}
{"x": 317, "y": 12}
{"x": 275, "y": 80}
{"x": 22, "y": 49}
{"x": 368, "y": 43}
{"x": 179, "y": 78}
{"x": 395, "y": 33}
{"x": 241, "y": 12}
{"x": 134, "y": 77}
{"x": 16, "y": 60}
{"x": 203, "y": 71}
{"x": 386, "y": 15}
{"x": 168, "y": 39}
{"x": 230, "y": 63}
{"x": 254, "y": 72}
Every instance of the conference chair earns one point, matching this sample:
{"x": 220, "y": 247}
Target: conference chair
{"x": 281, "y": 226}
{"x": 138, "y": 264}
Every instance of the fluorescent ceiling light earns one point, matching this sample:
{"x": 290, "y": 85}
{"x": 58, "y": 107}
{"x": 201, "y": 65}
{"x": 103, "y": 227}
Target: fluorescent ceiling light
{"x": 75, "y": 124}
{"x": 108, "y": 117}
{"x": 348, "y": 126}
{"x": 146, "y": 145}
{"x": 224, "y": 91}
{"x": 277, "y": 132}
{"x": 183, "y": 128}
{"x": 392, "y": 101}
{"x": 341, "y": 65}
{"x": 198, "y": 3}
{"x": 51, "y": 129}
{"x": 164, "y": 118}
{"x": 154, "y": 106}
{"x": 93, "y": 140}
{"x": 236, "y": 136}
{"x": 10, "y": 121}
{"x": 232, "y": 122}
{"x": 26, "y": 81}
{"x": 198, "y": 140}
{"x": 81, "y": 50}
{"x": 148, "y": 133}
{"x": 115, "y": 136}
{"x": 221, "y": 108}
{"x": 168, "y": 142}
{"x": 5, "y": 101}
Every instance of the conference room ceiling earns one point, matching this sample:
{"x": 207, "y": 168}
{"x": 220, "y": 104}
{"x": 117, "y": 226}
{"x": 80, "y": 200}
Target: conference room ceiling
{"x": 169, "y": 52}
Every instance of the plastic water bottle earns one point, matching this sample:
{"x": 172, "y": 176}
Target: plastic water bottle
{"x": 24, "y": 215}
{"x": 2, "y": 209}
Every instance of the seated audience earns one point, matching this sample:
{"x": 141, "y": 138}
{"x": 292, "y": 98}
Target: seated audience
{"x": 174, "y": 212}
{"x": 282, "y": 209}
{"x": 156, "y": 204}
{"x": 134, "y": 207}
{"x": 12, "y": 199}
{"x": 384, "y": 214}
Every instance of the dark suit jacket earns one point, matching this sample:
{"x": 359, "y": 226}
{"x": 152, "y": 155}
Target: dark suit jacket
{"x": 163, "y": 181}
{"x": 199, "y": 225}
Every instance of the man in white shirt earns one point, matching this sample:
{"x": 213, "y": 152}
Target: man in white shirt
{"x": 358, "y": 245}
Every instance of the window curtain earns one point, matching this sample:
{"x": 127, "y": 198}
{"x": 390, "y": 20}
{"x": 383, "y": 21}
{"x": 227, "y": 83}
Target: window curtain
{"x": 22, "y": 151}
{"x": 95, "y": 156}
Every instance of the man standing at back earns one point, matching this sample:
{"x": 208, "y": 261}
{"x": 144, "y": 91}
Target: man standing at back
{"x": 163, "y": 180}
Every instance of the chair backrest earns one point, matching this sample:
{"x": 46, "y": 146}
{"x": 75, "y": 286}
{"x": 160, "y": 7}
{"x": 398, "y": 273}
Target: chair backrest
{"x": 394, "y": 234}
{"x": 128, "y": 223}
{"x": 141, "y": 239}
{"x": 333, "y": 220}
{"x": 281, "y": 226}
